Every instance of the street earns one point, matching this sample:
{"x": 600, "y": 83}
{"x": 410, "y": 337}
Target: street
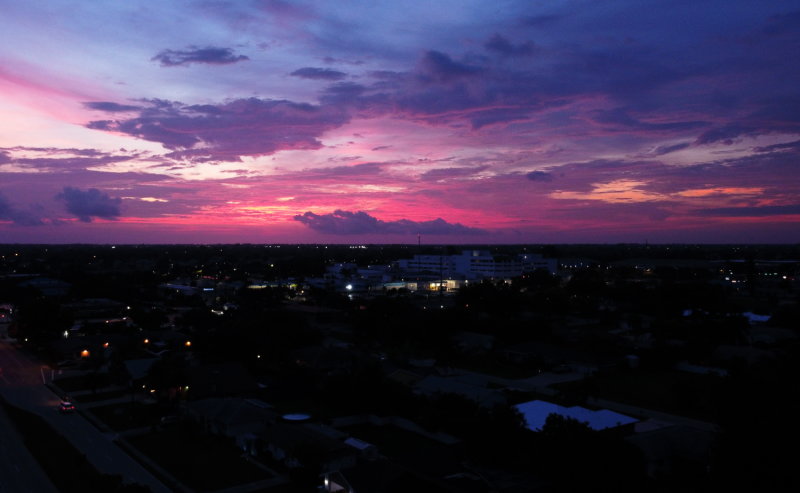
{"x": 22, "y": 383}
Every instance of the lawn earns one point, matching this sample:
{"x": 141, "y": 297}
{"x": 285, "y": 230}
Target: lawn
{"x": 83, "y": 382}
{"x": 202, "y": 462}
{"x": 126, "y": 416}
{"x": 102, "y": 396}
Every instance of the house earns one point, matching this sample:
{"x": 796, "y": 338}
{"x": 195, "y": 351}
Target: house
{"x": 535, "y": 414}
{"x": 51, "y": 288}
{"x": 219, "y": 380}
{"x": 324, "y": 359}
{"x": 138, "y": 368}
{"x": 472, "y": 390}
{"x": 473, "y": 342}
{"x": 668, "y": 449}
{"x": 297, "y": 444}
{"x": 241, "y": 419}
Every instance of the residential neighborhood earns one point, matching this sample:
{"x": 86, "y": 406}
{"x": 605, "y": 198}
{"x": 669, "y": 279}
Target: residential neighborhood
{"x": 369, "y": 368}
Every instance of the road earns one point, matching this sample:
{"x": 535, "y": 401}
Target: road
{"x": 22, "y": 383}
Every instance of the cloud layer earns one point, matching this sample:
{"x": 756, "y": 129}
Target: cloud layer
{"x": 537, "y": 122}
{"x": 210, "y": 55}
{"x": 342, "y": 222}
{"x": 89, "y": 204}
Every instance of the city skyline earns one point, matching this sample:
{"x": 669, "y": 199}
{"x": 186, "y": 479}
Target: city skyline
{"x": 462, "y": 122}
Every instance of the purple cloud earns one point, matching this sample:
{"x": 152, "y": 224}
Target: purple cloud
{"x": 19, "y": 217}
{"x": 315, "y": 73}
{"x": 441, "y": 68}
{"x": 539, "y": 176}
{"x": 726, "y": 134}
{"x": 662, "y": 150}
{"x": 91, "y": 203}
{"x": 352, "y": 223}
{"x": 447, "y": 173}
{"x": 788, "y": 146}
{"x": 242, "y": 127}
{"x": 620, "y": 118}
{"x": 752, "y": 211}
{"x": 111, "y": 107}
{"x": 501, "y": 45}
{"x": 483, "y": 118}
{"x": 210, "y": 55}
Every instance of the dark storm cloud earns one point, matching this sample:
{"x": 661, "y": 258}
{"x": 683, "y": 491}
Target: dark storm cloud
{"x": 242, "y": 127}
{"x": 209, "y": 55}
{"x": 752, "y": 211}
{"x": 539, "y": 176}
{"x": 315, "y": 73}
{"x": 350, "y": 223}
{"x": 110, "y": 106}
{"x": 501, "y": 45}
{"x": 89, "y": 204}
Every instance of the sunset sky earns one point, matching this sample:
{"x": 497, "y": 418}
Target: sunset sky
{"x": 343, "y": 122}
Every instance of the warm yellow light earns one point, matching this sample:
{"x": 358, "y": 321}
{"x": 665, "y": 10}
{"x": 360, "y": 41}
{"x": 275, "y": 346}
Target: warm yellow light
{"x": 188, "y": 343}
{"x": 85, "y": 353}
{"x": 147, "y": 341}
